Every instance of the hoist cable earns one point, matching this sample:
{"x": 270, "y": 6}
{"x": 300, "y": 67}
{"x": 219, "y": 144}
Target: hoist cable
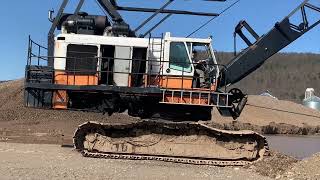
{"x": 206, "y": 23}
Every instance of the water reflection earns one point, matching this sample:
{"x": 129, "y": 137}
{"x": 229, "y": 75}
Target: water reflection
{"x": 297, "y": 146}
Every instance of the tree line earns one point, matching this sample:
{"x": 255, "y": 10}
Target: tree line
{"x": 285, "y": 75}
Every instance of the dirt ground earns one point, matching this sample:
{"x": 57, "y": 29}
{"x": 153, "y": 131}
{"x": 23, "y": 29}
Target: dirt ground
{"x": 273, "y": 166}
{"x": 306, "y": 169}
{"x": 38, "y": 126}
{"x": 25, "y": 161}
{"x": 43, "y": 161}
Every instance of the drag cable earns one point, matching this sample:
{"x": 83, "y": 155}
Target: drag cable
{"x": 280, "y": 110}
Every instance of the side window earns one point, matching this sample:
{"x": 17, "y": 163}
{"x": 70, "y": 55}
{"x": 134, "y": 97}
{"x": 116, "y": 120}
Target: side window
{"x": 178, "y": 58}
{"x": 81, "y": 59}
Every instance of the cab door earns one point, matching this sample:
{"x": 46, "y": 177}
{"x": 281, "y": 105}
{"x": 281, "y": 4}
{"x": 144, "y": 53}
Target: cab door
{"x": 178, "y": 69}
{"x": 122, "y": 65}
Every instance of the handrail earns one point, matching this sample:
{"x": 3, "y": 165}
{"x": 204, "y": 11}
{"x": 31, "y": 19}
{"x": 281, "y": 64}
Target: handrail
{"x": 36, "y": 58}
{"x": 39, "y": 50}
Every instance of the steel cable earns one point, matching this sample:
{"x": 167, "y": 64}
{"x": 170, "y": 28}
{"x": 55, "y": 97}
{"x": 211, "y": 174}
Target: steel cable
{"x": 206, "y": 23}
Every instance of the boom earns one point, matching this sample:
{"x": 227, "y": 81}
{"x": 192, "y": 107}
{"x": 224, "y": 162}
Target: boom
{"x": 280, "y": 36}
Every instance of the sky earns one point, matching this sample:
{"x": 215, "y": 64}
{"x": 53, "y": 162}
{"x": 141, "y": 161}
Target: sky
{"x": 19, "y": 19}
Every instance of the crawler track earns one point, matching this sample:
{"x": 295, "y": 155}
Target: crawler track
{"x": 190, "y": 143}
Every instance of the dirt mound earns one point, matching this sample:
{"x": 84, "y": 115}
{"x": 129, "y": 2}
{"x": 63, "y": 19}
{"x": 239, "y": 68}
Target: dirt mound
{"x": 18, "y": 121}
{"x": 271, "y": 116}
{"x": 274, "y": 165}
{"x": 11, "y": 94}
{"x": 306, "y": 169}
{"x": 12, "y": 108}
{"x": 262, "y": 109}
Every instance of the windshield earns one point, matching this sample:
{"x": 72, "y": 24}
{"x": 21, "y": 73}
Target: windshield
{"x": 201, "y": 52}
{"x": 203, "y": 58}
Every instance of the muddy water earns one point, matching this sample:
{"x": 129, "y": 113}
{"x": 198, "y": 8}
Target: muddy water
{"x": 296, "y": 146}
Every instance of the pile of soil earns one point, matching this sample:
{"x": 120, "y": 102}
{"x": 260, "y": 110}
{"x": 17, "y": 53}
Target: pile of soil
{"x": 307, "y": 169}
{"x": 280, "y": 166}
{"x": 274, "y": 165}
{"x": 271, "y": 116}
{"x": 29, "y": 125}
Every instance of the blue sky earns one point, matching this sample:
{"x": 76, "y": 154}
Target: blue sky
{"x": 29, "y": 17}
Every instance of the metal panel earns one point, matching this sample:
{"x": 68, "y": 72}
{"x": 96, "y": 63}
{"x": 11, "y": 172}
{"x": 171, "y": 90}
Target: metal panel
{"x": 93, "y": 88}
{"x": 51, "y": 32}
{"x": 38, "y": 98}
{"x": 122, "y": 65}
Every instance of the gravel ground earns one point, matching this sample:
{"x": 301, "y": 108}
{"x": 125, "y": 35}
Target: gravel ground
{"x": 307, "y": 169}
{"x": 274, "y": 165}
{"x": 25, "y": 161}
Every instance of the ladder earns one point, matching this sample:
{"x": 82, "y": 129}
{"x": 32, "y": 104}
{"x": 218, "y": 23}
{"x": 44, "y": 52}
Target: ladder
{"x": 156, "y": 48}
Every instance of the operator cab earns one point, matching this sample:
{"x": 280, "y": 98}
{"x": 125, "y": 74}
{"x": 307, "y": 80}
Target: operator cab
{"x": 204, "y": 64}
{"x": 193, "y": 60}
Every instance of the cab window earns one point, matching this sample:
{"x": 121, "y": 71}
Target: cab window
{"x": 202, "y": 52}
{"x": 178, "y": 58}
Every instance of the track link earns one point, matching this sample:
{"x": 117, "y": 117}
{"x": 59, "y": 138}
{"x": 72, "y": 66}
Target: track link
{"x": 100, "y": 129}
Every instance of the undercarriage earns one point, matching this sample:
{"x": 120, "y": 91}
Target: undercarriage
{"x": 179, "y": 142}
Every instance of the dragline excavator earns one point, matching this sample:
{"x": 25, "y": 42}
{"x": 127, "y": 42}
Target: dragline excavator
{"x": 99, "y": 63}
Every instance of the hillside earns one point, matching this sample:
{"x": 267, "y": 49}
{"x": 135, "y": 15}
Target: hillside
{"x": 285, "y": 75}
